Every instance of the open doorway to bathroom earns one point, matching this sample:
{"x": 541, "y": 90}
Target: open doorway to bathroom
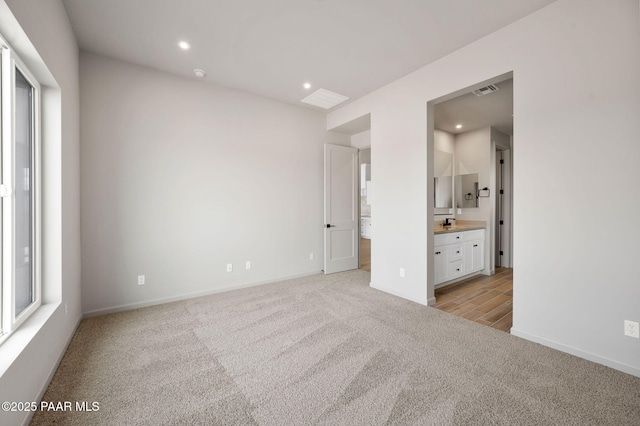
{"x": 473, "y": 128}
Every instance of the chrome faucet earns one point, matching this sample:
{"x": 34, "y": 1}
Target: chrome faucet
{"x": 446, "y": 221}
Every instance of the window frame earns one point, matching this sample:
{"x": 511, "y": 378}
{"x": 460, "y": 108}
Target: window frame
{"x": 9, "y": 64}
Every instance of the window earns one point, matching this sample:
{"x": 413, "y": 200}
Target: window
{"x": 19, "y": 191}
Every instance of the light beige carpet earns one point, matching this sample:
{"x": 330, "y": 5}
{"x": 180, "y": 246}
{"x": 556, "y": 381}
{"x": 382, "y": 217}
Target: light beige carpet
{"x": 324, "y": 350}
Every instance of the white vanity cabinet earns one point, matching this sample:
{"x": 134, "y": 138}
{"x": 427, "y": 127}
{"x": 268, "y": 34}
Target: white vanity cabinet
{"x": 441, "y": 265}
{"x": 473, "y": 251}
{"x": 458, "y": 254}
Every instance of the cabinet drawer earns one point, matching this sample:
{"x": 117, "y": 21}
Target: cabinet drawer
{"x": 456, "y": 269}
{"x": 441, "y": 239}
{"x": 454, "y": 252}
{"x": 473, "y": 235}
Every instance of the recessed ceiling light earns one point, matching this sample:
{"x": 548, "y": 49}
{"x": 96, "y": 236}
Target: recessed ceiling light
{"x": 307, "y": 86}
{"x": 199, "y": 73}
{"x": 184, "y": 45}
{"x": 458, "y": 126}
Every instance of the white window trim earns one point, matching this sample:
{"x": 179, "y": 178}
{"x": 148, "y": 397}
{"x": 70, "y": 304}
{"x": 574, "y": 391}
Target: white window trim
{"x": 10, "y": 62}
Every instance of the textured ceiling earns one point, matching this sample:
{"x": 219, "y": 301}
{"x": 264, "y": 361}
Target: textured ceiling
{"x": 271, "y": 47}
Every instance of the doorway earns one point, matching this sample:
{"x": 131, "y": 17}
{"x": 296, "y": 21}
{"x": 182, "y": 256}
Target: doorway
{"x": 487, "y": 300}
{"x": 358, "y": 131}
{"x": 475, "y": 126}
{"x": 366, "y": 195}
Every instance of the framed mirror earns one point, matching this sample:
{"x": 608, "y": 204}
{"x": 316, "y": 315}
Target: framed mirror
{"x": 443, "y": 182}
{"x": 467, "y": 191}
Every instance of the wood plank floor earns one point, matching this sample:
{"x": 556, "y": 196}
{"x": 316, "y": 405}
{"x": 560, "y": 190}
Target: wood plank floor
{"x": 365, "y": 254}
{"x": 484, "y": 299}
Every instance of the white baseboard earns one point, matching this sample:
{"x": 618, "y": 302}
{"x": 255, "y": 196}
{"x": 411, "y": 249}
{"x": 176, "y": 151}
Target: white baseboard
{"x": 185, "y": 296}
{"x": 625, "y": 368}
{"x": 424, "y": 301}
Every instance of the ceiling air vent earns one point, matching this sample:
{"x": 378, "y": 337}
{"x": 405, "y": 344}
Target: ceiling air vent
{"x": 486, "y": 90}
{"x": 324, "y": 99}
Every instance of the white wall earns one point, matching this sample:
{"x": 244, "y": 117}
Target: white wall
{"x": 474, "y": 154}
{"x": 443, "y": 141}
{"x": 574, "y": 280}
{"x": 361, "y": 140}
{"x": 501, "y": 140}
{"x": 41, "y": 34}
{"x": 180, "y": 178}
{"x": 364, "y": 156}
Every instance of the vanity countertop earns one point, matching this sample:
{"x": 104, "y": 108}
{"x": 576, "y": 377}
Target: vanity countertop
{"x": 439, "y": 229}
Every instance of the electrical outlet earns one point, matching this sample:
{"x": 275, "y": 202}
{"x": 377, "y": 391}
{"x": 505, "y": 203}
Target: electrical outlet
{"x": 229, "y": 267}
{"x": 632, "y": 329}
{"x": 401, "y": 272}
{"x": 141, "y": 280}
{"x": 247, "y": 265}
{"x": 310, "y": 256}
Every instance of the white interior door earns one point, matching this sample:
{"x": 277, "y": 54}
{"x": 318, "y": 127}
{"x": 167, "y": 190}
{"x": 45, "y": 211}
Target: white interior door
{"x": 341, "y": 220}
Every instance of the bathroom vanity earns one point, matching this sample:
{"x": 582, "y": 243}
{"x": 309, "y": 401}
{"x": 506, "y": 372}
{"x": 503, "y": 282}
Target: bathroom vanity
{"x": 458, "y": 252}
